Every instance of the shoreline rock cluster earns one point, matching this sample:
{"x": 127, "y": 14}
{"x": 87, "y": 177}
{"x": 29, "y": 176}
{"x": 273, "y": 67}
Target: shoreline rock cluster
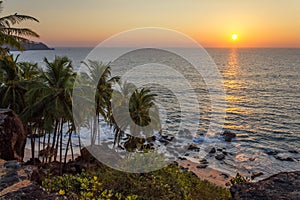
{"x": 285, "y": 185}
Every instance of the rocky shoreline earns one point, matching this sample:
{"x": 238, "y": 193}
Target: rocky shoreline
{"x": 18, "y": 181}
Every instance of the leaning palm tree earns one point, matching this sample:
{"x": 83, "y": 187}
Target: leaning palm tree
{"x": 98, "y": 78}
{"x": 142, "y": 111}
{"x": 12, "y": 36}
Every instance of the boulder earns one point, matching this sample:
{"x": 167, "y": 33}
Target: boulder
{"x": 213, "y": 150}
{"x": 12, "y": 136}
{"x": 193, "y": 147}
{"x": 285, "y": 185}
{"x": 228, "y": 135}
{"x": 220, "y": 156}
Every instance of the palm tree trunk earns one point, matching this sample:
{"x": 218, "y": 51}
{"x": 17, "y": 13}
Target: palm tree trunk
{"x": 57, "y": 142}
{"x": 61, "y": 147}
{"x": 44, "y": 141}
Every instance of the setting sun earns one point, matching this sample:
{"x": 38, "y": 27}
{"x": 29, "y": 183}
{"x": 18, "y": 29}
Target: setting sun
{"x": 234, "y": 37}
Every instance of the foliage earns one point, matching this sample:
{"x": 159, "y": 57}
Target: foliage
{"x": 239, "y": 179}
{"x": 171, "y": 182}
{"x": 13, "y": 36}
{"x": 82, "y": 186}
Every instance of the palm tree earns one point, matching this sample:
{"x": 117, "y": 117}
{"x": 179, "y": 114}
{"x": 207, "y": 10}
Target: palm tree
{"x": 12, "y": 87}
{"x": 143, "y": 113}
{"x": 99, "y": 79}
{"x": 12, "y": 36}
{"x": 51, "y": 100}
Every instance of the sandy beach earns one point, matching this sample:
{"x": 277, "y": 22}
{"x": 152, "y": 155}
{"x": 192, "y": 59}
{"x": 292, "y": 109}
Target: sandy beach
{"x": 207, "y": 173}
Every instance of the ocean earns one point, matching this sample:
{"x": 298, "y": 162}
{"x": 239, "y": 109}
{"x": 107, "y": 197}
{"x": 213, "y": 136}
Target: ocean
{"x": 262, "y": 106}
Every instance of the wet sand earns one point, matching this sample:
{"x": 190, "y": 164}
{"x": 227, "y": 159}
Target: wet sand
{"x": 207, "y": 173}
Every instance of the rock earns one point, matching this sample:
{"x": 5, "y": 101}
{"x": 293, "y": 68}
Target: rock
{"x": 285, "y": 185}
{"x": 225, "y": 176}
{"x": 272, "y": 152}
{"x": 32, "y": 191}
{"x": 293, "y": 151}
{"x": 227, "y": 184}
{"x": 12, "y": 136}
{"x": 213, "y": 150}
{"x": 228, "y": 135}
{"x": 220, "y": 156}
{"x": 256, "y": 174}
{"x": 193, "y": 147}
{"x": 284, "y": 158}
{"x": 201, "y": 166}
{"x": 225, "y": 153}
{"x": 252, "y": 159}
{"x": 181, "y": 158}
{"x": 203, "y": 161}
{"x": 168, "y": 137}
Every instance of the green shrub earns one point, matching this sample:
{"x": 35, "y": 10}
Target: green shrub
{"x": 239, "y": 179}
{"x": 171, "y": 182}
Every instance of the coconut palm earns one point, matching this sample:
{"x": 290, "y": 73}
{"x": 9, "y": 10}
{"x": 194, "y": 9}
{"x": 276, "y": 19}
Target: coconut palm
{"x": 12, "y": 36}
{"x": 51, "y": 100}
{"x": 98, "y": 78}
{"x": 142, "y": 117}
{"x": 12, "y": 88}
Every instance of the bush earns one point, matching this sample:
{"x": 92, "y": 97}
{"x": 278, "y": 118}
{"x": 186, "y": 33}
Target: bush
{"x": 171, "y": 182}
{"x": 239, "y": 179}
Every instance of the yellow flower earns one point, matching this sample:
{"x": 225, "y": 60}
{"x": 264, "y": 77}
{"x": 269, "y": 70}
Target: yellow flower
{"x": 61, "y": 192}
{"x": 95, "y": 178}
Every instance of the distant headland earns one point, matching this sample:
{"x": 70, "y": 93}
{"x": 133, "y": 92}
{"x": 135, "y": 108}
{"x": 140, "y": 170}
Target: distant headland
{"x": 32, "y": 46}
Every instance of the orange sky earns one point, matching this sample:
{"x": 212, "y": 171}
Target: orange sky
{"x": 258, "y": 23}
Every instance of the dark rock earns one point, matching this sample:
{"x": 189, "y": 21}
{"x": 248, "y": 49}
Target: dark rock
{"x": 220, "y": 156}
{"x": 32, "y": 191}
{"x": 12, "y": 164}
{"x": 12, "y": 136}
{"x": 293, "y": 151}
{"x": 182, "y": 158}
{"x": 284, "y": 158}
{"x": 225, "y": 153}
{"x": 187, "y": 154}
{"x": 272, "y": 152}
{"x": 204, "y": 161}
{"x": 252, "y": 159}
{"x": 228, "y": 135}
{"x": 151, "y": 139}
{"x": 219, "y": 149}
{"x": 213, "y": 150}
{"x": 225, "y": 176}
{"x": 201, "y": 166}
{"x": 168, "y": 137}
{"x": 227, "y": 184}
{"x": 256, "y": 174}
{"x": 193, "y": 147}
{"x": 285, "y": 185}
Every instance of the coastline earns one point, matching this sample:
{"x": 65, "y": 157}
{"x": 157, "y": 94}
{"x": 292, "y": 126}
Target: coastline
{"x": 211, "y": 175}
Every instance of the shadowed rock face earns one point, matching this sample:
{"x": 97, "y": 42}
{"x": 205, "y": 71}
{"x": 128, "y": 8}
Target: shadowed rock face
{"x": 285, "y": 185}
{"x": 12, "y": 136}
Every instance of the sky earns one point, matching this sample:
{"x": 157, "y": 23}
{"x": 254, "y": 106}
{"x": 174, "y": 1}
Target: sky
{"x": 258, "y": 23}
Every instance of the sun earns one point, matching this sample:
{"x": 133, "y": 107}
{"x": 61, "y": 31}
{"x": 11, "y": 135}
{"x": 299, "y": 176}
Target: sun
{"x": 234, "y": 37}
